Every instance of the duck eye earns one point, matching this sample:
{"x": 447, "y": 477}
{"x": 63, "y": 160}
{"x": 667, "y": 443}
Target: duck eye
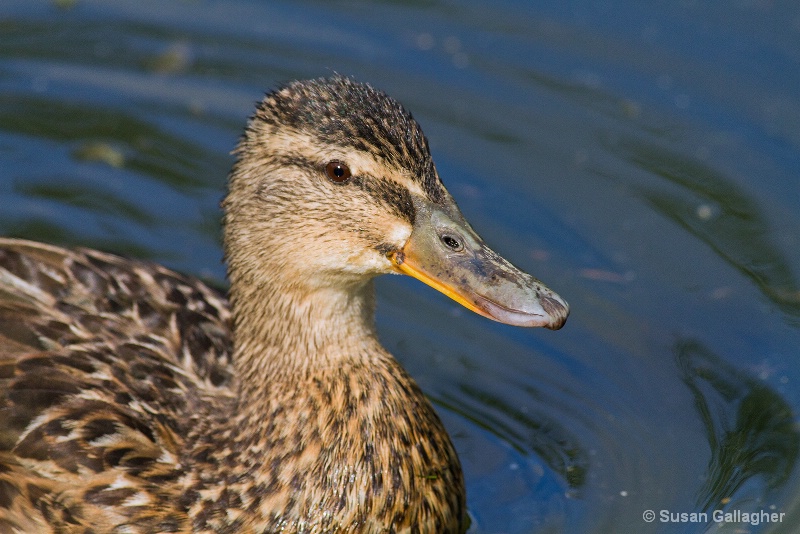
{"x": 337, "y": 172}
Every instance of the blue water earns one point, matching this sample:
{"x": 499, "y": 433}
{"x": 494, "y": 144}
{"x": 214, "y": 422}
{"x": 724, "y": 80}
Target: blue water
{"x": 643, "y": 159}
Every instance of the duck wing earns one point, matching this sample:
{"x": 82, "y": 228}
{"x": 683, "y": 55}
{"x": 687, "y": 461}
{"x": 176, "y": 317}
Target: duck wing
{"x": 106, "y": 366}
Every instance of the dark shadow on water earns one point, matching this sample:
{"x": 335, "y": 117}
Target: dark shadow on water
{"x": 750, "y": 427}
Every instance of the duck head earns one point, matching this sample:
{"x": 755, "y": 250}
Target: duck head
{"x": 334, "y": 184}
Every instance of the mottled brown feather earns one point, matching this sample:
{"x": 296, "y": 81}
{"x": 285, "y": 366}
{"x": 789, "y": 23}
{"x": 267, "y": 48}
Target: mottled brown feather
{"x": 98, "y": 391}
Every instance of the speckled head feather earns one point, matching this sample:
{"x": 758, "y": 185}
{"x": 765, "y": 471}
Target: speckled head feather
{"x": 343, "y": 112}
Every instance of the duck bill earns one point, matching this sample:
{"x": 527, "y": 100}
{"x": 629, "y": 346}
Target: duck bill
{"x": 445, "y": 252}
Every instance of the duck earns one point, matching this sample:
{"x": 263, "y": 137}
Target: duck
{"x": 134, "y": 399}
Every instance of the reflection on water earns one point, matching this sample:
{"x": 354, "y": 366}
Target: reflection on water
{"x": 528, "y": 432}
{"x": 105, "y": 171}
{"x": 751, "y": 430}
{"x": 719, "y": 213}
{"x": 143, "y": 147}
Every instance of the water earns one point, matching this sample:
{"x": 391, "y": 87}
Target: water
{"x": 641, "y": 158}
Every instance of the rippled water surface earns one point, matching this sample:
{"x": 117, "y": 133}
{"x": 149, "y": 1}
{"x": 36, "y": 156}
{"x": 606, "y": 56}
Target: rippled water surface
{"x": 643, "y": 159}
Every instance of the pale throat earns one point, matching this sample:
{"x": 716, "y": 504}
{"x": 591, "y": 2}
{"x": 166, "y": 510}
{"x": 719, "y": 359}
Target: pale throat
{"x": 285, "y": 332}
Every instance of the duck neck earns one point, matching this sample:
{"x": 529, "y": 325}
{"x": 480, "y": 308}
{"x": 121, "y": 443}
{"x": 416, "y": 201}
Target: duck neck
{"x": 326, "y": 420}
{"x": 288, "y": 333}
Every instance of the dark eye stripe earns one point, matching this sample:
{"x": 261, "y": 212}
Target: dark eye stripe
{"x": 385, "y": 191}
{"x": 390, "y": 194}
